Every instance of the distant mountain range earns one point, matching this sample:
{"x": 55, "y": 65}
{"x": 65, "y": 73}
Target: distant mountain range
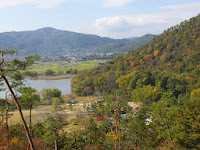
{"x": 126, "y": 45}
{"x": 50, "y": 41}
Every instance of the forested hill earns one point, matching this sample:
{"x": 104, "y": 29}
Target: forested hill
{"x": 50, "y": 41}
{"x": 171, "y": 62}
{"x": 126, "y": 45}
{"x": 163, "y": 78}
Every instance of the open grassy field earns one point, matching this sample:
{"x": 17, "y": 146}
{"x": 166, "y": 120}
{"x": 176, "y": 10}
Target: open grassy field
{"x": 79, "y": 99}
{"x": 38, "y": 114}
{"x": 62, "y": 67}
{"x": 74, "y": 117}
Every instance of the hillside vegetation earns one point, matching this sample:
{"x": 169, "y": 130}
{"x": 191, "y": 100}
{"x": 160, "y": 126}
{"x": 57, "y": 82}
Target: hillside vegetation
{"x": 49, "y": 40}
{"x": 171, "y": 58}
{"x": 125, "y": 46}
{"x": 164, "y": 77}
{"x": 52, "y": 42}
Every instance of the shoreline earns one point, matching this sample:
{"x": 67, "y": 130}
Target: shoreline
{"x": 55, "y": 77}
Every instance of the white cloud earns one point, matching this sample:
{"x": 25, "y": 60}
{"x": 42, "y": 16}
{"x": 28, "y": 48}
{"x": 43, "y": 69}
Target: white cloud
{"x": 138, "y": 25}
{"x": 38, "y": 3}
{"x": 113, "y": 24}
{"x": 127, "y": 23}
{"x": 116, "y": 3}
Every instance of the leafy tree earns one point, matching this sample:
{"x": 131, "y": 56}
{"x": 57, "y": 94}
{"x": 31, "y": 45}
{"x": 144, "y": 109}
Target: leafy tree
{"x": 28, "y": 100}
{"x": 5, "y": 108}
{"x": 163, "y": 119}
{"x": 12, "y": 69}
{"x": 91, "y": 132}
{"x": 74, "y": 71}
{"x": 55, "y": 102}
{"x": 147, "y": 95}
{"x": 148, "y": 57}
{"x": 88, "y": 90}
{"x": 68, "y": 72}
{"x": 51, "y": 127}
{"x": 48, "y": 94}
{"x": 156, "y": 53}
{"x": 56, "y": 92}
{"x": 2, "y": 108}
{"x": 49, "y": 72}
{"x": 110, "y": 140}
{"x": 187, "y": 124}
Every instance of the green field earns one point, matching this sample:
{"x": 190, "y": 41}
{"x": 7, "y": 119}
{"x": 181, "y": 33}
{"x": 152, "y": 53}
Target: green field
{"x": 62, "y": 67}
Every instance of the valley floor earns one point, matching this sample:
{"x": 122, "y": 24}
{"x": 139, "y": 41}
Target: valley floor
{"x": 72, "y": 116}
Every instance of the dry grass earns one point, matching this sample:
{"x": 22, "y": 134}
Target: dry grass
{"x": 74, "y": 119}
{"x": 56, "y": 77}
{"x": 85, "y": 99}
{"x": 36, "y": 117}
{"x": 76, "y": 122}
{"x": 67, "y": 97}
{"x": 38, "y": 114}
{"x": 41, "y": 112}
{"x": 79, "y": 99}
{"x": 73, "y": 108}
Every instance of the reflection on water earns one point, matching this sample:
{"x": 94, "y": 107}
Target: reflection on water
{"x": 63, "y": 84}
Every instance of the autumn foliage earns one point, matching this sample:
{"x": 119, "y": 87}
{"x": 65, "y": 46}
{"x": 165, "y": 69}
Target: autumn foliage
{"x": 156, "y": 53}
{"x": 134, "y": 64}
{"x": 147, "y": 57}
{"x": 88, "y": 90}
{"x": 99, "y": 118}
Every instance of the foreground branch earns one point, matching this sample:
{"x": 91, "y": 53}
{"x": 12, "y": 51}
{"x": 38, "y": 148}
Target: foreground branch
{"x": 20, "y": 112}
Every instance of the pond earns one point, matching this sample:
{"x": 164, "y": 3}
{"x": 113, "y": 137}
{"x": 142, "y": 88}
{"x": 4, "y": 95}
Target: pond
{"x": 63, "y": 84}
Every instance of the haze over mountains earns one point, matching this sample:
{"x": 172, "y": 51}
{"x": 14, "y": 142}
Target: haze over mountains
{"x": 50, "y": 41}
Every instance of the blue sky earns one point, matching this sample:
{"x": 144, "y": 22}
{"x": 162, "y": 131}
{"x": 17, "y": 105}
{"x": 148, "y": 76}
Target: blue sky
{"x": 109, "y": 18}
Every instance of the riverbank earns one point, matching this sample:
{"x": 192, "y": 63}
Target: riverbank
{"x": 55, "y": 77}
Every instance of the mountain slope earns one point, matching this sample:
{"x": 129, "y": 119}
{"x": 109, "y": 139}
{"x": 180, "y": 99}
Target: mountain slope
{"x": 49, "y": 41}
{"x": 163, "y": 78}
{"x": 171, "y": 62}
{"x": 125, "y": 46}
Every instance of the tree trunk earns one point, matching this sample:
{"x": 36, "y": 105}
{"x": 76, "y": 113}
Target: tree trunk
{"x": 55, "y": 141}
{"x": 56, "y": 146}
{"x": 21, "y": 114}
{"x": 7, "y": 128}
{"x": 30, "y": 126}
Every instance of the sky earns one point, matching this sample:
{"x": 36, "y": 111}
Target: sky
{"x": 107, "y": 18}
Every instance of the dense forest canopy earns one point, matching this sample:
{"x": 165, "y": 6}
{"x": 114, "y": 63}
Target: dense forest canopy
{"x": 171, "y": 62}
{"x": 162, "y": 76}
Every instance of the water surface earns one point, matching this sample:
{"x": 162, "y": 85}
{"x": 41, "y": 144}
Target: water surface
{"x": 63, "y": 84}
